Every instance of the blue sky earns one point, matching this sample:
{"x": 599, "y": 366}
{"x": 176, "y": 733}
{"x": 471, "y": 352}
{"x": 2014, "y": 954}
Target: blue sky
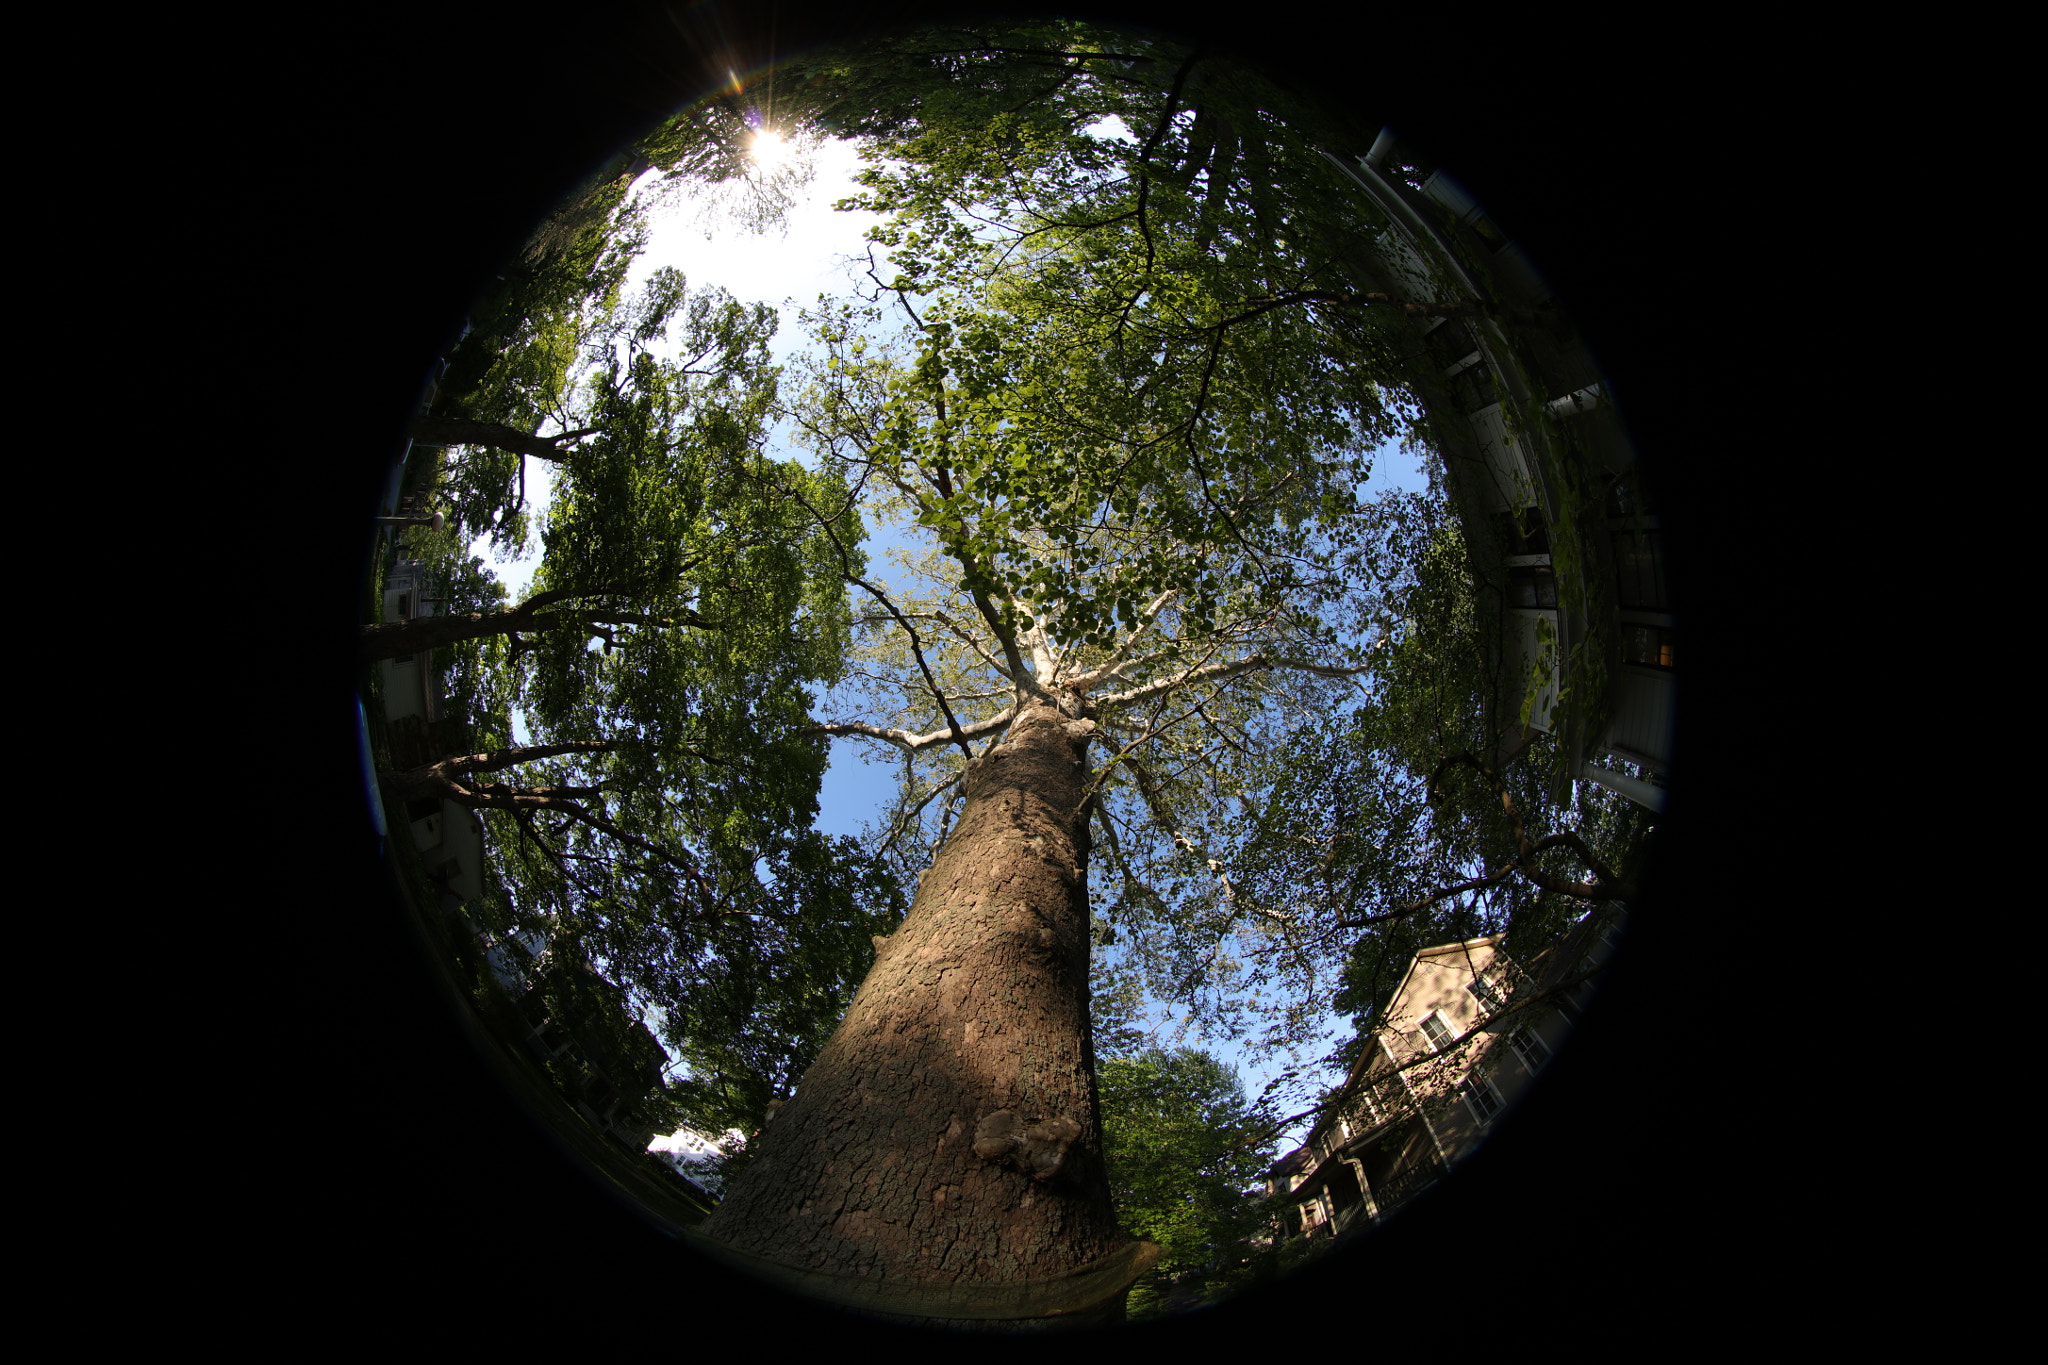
{"x": 790, "y": 268}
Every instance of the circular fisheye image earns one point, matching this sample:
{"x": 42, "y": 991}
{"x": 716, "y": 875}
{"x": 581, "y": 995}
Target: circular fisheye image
{"x": 1024, "y": 680}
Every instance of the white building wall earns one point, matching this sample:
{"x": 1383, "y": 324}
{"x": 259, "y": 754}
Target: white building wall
{"x": 1643, "y": 714}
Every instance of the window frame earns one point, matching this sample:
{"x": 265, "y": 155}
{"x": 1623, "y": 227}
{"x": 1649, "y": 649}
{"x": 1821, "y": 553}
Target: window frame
{"x": 1478, "y": 1084}
{"x": 1661, "y": 639}
{"x": 1530, "y": 1048}
{"x": 1488, "y": 993}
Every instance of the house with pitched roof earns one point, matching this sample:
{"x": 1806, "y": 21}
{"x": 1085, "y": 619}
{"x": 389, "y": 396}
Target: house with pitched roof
{"x": 1463, "y": 1036}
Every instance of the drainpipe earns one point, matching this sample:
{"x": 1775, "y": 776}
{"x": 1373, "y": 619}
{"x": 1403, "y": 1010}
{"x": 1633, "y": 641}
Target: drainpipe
{"x": 1572, "y": 404}
{"x": 1644, "y": 794}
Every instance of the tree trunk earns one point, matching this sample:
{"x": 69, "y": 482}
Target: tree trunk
{"x": 391, "y": 639}
{"x": 437, "y": 779}
{"x": 941, "y": 1162}
{"x": 463, "y": 431}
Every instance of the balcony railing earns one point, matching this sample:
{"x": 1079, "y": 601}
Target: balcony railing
{"x": 1405, "y": 1184}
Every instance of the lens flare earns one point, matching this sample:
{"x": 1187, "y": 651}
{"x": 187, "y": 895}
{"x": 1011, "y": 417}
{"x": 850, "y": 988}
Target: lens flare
{"x": 768, "y": 147}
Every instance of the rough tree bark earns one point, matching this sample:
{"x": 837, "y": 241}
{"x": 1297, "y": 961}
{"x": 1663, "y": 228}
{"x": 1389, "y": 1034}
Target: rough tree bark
{"x": 942, "y": 1162}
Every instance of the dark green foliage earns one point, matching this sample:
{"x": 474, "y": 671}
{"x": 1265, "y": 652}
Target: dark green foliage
{"x": 1184, "y": 1160}
{"x": 753, "y": 1011}
{"x": 517, "y": 363}
{"x": 703, "y": 605}
{"x": 517, "y": 367}
{"x": 1373, "y": 815}
{"x": 1076, "y": 300}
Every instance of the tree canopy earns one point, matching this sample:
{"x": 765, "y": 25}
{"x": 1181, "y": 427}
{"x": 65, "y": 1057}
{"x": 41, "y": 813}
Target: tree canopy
{"x": 556, "y": 307}
{"x": 1185, "y": 1162}
{"x": 1136, "y": 455}
{"x": 1114, "y": 377}
{"x": 660, "y": 816}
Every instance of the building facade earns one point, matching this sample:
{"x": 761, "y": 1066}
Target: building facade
{"x": 1542, "y": 476}
{"x": 1462, "y": 1037}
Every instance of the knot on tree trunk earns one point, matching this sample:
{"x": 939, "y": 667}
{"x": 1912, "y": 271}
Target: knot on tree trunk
{"x": 1037, "y": 1147}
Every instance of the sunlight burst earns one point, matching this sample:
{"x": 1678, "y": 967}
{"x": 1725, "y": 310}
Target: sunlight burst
{"x": 769, "y": 148}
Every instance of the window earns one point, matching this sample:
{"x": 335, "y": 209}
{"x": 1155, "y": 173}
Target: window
{"x": 1530, "y": 1047}
{"x": 1484, "y": 1100}
{"x": 1650, "y": 645}
{"x": 1450, "y": 343}
{"x": 1488, "y": 993}
{"x": 1438, "y": 1033}
{"x": 1474, "y": 388}
{"x": 1490, "y": 236}
{"x": 1521, "y": 531}
{"x": 1625, "y": 499}
{"x": 1532, "y": 585}
{"x": 1639, "y": 571}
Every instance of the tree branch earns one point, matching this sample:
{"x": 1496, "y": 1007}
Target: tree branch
{"x": 916, "y": 646}
{"x": 975, "y": 645}
{"x": 1123, "y": 651}
{"x": 1205, "y": 673}
{"x": 903, "y": 822}
{"x": 463, "y": 431}
{"x": 912, "y": 743}
{"x": 1605, "y": 886}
